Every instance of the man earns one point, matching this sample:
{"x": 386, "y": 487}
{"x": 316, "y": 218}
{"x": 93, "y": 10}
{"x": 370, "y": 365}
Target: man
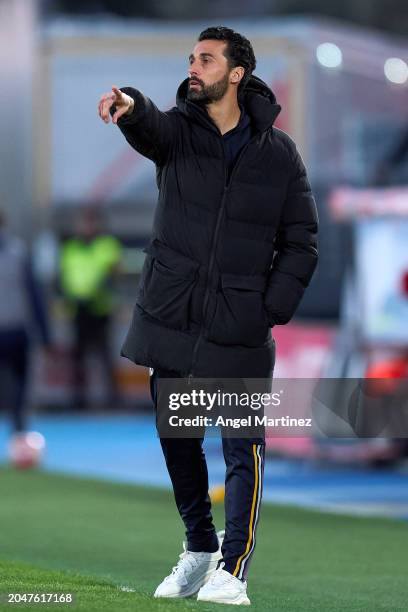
{"x": 232, "y": 190}
{"x": 22, "y": 307}
{"x": 87, "y": 264}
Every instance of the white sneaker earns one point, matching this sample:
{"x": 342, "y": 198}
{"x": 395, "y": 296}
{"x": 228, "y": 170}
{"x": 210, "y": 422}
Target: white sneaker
{"x": 190, "y": 573}
{"x": 223, "y": 587}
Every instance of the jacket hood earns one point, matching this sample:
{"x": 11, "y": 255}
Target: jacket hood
{"x": 258, "y": 99}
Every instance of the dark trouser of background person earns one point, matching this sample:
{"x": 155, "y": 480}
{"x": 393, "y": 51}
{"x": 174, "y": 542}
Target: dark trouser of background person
{"x": 14, "y": 349}
{"x": 23, "y": 312}
{"x": 92, "y": 335}
{"x": 186, "y": 464}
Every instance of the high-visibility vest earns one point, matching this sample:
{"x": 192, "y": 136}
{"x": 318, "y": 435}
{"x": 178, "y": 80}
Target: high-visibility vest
{"x": 86, "y": 270}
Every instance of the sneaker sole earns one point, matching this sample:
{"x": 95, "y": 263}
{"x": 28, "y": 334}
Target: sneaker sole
{"x": 194, "y": 588}
{"x": 238, "y": 601}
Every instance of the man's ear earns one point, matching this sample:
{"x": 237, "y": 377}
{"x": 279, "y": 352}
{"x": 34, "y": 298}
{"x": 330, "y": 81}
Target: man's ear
{"x": 237, "y": 74}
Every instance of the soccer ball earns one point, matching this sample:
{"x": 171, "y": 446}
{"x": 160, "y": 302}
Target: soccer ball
{"x": 26, "y": 449}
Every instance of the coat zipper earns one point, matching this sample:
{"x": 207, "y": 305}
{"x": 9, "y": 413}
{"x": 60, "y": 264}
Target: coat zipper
{"x": 227, "y": 184}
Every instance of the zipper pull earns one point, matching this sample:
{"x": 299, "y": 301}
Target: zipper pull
{"x": 189, "y": 379}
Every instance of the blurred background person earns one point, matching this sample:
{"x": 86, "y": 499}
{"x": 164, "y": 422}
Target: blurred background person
{"x": 22, "y": 305}
{"x": 88, "y": 264}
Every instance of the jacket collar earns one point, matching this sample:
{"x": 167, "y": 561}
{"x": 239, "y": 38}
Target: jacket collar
{"x": 258, "y": 99}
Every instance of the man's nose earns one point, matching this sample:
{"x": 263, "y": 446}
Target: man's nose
{"x": 193, "y": 70}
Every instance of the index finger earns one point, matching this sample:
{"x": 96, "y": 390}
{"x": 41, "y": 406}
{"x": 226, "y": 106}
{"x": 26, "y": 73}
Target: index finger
{"x": 116, "y": 91}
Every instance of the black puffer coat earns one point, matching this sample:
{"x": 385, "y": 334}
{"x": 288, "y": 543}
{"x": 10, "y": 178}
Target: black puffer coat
{"x": 211, "y": 288}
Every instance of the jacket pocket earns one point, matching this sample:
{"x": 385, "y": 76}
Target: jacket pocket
{"x": 168, "y": 282}
{"x": 239, "y": 314}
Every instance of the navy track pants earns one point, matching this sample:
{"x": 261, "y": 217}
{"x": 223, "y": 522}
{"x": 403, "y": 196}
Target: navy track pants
{"x": 187, "y": 467}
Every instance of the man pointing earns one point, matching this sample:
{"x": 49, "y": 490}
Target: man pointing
{"x": 233, "y": 247}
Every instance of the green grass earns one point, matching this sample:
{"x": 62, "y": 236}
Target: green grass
{"x": 62, "y": 534}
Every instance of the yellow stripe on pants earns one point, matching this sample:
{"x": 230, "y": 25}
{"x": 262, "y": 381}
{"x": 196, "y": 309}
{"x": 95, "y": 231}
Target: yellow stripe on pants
{"x": 251, "y": 521}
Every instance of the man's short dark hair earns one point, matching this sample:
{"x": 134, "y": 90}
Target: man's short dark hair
{"x": 239, "y": 51}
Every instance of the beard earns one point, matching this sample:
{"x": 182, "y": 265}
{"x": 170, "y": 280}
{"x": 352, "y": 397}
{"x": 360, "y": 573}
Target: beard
{"x": 208, "y": 93}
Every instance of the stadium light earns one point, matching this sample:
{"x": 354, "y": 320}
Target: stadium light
{"x": 329, "y": 55}
{"x": 396, "y": 70}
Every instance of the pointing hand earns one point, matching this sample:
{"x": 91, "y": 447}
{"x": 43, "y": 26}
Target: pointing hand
{"x": 124, "y": 105}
